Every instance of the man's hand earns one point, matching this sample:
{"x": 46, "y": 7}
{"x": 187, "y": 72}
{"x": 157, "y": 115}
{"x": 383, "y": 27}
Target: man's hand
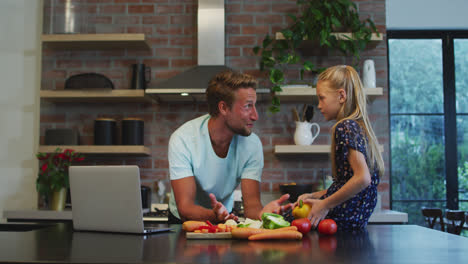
{"x": 220, "y": 210}
{"x": 276, "y": 207}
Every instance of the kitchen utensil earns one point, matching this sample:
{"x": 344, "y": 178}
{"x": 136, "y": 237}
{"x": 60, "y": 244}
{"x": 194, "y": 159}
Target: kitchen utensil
{"x": 295, "y": 115}
{"x": 309, "y": 114}
{"x": 139, "y": 78}
{"x": 104, "y": 131}
{"x": 304, "y": 108}
{"x": 295, "y": 190}
{"x": 303, "y": 135}
{"x": 132, "y": 131}
{"x": 88, "y": 81}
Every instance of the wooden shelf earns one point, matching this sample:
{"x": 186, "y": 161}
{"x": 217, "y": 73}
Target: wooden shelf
{"x": 116, "y": 150}
{"x": 311, "y": 149}
{"x": 191, "y": 95}
{"x": 339, "y": 35}
{"x": 308, "y": 93}
{"x": 95, "y": 95}
{"x": 95, "y": 41}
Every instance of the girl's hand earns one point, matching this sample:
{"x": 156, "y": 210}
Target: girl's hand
{"x": 303, "y": 197}
{"x": 318, "y": 212}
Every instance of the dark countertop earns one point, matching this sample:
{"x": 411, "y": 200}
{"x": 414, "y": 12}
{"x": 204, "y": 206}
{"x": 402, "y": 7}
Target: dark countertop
{"x": 378, "y": 244}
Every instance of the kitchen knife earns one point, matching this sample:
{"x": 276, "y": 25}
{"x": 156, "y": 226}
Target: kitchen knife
{"x": 309, "y": 113}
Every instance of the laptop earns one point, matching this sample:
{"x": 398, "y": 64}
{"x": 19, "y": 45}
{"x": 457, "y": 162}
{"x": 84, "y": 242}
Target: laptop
{"x": 108, "y": 199}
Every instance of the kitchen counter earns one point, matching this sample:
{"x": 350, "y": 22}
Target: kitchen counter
{"x": 377, "y": 244}
{"x": 378, "y": 217}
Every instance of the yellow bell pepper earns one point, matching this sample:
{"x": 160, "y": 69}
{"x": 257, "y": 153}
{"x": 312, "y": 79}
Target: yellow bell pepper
{"x": 301, "y": 211}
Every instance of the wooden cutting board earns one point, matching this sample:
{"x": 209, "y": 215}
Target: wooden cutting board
{"x": 222, "y": 235}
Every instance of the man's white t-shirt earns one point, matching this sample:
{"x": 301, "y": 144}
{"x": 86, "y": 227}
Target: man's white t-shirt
{"x": 191, "y": 154}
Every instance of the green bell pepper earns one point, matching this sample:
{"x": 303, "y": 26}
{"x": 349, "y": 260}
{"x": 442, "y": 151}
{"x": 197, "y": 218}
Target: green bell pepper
{"x": 273, "y": 221}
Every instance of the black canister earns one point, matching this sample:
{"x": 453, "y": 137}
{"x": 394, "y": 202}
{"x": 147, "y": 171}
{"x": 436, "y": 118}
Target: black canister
{"x": 104, "y": 131}
{"x": 132, "y": 131}
{"x": 145, "y": 197}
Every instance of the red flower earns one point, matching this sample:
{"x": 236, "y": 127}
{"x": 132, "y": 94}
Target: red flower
{"x": 63, "y": 156}
{"x": 43, "y": 157}
{"x": 44, "y": 167}
{"x": 79, "y": 159}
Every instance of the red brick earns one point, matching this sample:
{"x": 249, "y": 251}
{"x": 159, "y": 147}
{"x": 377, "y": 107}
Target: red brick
{"x": 168, "y": 52}
{"x": 141, "y": 9}
{"x": 169, "y": 9}
{"x": 233, "y": 29}
{"x": 232, "y": 8}
{"x": 100, "y": 20}
{"x": 241, "y": 40}
{"x": 243, "y": 62}
{"x": 183, "y": 41}
{"x": 282, "y": 140}
{"x": 239, "y": 19}
{"x": 190, "y": 30}
{"x": 97, "y": 1}
{"x": 98, "y": 64}
{"x": 161, "y": 164}
{"x": 157, "y": 62}
{"x": 233, "y": 52}
{"x": 140, "y": 29}
{"x": 181, "y": 63}
{"x": 127, "y": 20}
{"x": 126, "y": 1}
{"x": 140, "y": 53}
{"x": 156, "y": 20}
{"x": 124, "y": 63}
{"x": 154, "y": 175}
{"x": 112, "y": 9}
{"x": 141, "y": 163}
{"x": 291, "y": 8}
{"x": 272, "y": 175}
{"x": 265, "y": 187}
{"x": 190, "y": 9}
{"x": 112, "y": 53}
{"x": 52, "y": 118}
{"x": 371, "y": 7}
{"x": 69, "y": 64}
{"x": 248, "y": 30}
{"x": 190, "y": 52}
{"x": 169, "y": 30}
{"x": 268, "y": 19}
{"x": 183, "y": 20}
{"x": 155, "y": 1}
{"x": 166, "y": 74}
{"x": 159, "y": 41}
{"x": 54, "y": 74}
{"x": 259, "y": 8}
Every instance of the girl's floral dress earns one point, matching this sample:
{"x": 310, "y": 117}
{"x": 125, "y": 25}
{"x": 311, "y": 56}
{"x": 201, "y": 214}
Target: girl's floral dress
{"x": 355, "y": 212}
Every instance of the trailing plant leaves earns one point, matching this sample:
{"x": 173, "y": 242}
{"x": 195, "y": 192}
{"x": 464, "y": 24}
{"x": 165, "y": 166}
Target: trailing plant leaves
{"x": 266, "y": 41}
{"x": 256, "y": 49}
{"x": 276, "y": 76}
{"x": 276, "y": 88}
{"x": 308, "y": 66}
{"x": 287, "y": 33}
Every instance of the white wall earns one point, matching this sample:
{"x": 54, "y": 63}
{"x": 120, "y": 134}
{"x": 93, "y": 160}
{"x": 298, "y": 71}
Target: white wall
{"x": 427, "y": 14}
{"x": 20, "y": 68}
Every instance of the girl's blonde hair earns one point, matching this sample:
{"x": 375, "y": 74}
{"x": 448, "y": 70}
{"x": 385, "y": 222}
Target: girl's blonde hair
{"x": 346, "y": 78}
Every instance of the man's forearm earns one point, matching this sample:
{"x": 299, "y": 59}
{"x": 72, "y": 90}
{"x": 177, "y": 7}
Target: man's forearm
{"x": 196, "y": 212}
{"x": 253, "y": 211}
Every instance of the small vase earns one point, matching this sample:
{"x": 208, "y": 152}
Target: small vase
{"x": 57, "y": 201}
{"x": 368, "y": 75}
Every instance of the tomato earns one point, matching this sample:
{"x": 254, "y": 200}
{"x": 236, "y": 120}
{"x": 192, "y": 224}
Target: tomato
{"x": 303, "y": 225}
{"x": 327, "y": 227}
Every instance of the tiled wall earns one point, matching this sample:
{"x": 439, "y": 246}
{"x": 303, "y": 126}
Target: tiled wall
{"x": 170, "y": 27}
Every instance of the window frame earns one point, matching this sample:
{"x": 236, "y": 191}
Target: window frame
{"x": 450, "y": 114}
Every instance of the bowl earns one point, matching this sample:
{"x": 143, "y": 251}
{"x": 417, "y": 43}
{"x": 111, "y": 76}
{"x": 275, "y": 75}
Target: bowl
{"x": 295, "y": 190}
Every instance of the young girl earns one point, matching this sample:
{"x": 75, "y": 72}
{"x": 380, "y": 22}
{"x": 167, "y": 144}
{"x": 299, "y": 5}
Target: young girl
{"x": 356, "y": 160}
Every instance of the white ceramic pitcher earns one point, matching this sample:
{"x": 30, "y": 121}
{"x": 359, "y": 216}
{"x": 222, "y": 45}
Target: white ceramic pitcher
{"x": 303, "y": 135}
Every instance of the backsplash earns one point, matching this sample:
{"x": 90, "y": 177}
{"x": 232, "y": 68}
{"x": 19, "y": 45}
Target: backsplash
{"x": 171, "y": 29}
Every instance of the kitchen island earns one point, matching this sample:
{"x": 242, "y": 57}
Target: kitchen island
{"x": 58, "y": 243}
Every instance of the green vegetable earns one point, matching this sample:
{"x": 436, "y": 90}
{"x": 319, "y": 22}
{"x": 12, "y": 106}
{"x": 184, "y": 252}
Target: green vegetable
{"x": 273, "y": 221}
{"x": 243, "y": 225}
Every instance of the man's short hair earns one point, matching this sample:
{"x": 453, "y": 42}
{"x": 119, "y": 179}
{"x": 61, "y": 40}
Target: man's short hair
{"x": 222, "y": 88}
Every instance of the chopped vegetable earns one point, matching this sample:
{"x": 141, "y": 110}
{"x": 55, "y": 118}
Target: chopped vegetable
{"x": 273, "y": 221}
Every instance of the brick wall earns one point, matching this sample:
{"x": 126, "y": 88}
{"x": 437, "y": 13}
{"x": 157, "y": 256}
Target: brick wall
{"x": 171, "y": 29}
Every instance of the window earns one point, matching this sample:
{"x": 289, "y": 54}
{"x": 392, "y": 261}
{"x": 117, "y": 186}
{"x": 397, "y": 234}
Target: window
{"x": 428, "y": 84}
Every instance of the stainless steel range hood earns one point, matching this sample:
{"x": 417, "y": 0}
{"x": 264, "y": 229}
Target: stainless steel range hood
{"x": 211, "y": 40}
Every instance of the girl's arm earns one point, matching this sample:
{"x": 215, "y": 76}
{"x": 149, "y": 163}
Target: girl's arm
{"x": 360, "y": 180}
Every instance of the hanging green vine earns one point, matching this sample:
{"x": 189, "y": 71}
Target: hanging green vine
{"x": 317, "y": 21}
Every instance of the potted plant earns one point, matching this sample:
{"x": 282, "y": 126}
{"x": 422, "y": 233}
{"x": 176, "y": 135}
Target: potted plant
{"x": 317, "y": 21}
{"x": 53, "y": 181}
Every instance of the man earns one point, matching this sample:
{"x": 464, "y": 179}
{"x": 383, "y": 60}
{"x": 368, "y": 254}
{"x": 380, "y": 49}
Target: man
{"x": 210, "y": 155}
